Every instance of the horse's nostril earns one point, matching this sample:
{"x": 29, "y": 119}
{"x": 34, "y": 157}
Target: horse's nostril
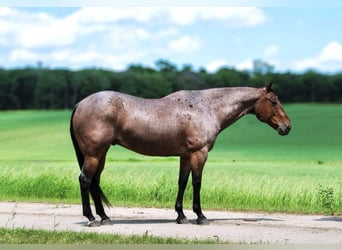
{"x": 284, "y": 129}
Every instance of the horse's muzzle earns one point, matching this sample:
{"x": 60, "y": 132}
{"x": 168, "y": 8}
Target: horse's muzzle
{"x": 284, "y": 129}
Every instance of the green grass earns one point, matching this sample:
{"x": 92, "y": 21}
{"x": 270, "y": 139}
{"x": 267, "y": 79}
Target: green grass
{"x": 250, "y": 167}
{"x": 29, "y": 236}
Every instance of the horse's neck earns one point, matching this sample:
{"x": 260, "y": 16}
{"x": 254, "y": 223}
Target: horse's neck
{"x": 230, "y": 104}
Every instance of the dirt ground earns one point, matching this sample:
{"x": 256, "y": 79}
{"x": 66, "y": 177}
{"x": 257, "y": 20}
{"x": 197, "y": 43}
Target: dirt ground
{"x": 224, "y": 225}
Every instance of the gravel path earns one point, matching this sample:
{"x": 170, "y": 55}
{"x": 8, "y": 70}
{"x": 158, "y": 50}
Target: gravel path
{"x": 224, "y": 225}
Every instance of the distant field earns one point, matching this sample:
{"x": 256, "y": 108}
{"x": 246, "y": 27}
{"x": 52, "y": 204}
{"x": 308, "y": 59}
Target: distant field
{"x": 250, "y": 167}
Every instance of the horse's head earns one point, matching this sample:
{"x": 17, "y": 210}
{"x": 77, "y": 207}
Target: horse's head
{"x": 268, "y": 109}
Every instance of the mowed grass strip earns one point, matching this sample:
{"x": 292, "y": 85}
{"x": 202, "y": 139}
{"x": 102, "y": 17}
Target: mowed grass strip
{"x": 30, "y": 236}
{"x": 250, "y": 167}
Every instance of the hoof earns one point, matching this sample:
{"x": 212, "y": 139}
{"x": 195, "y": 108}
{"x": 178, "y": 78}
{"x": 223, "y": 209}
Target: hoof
{"x": 182, "y": 220}
{"x": 202, "y": 221}
{"x": 94, "y": 223}
{"x": 106, "y": 222}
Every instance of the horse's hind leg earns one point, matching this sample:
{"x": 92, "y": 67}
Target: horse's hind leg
{"x": 89, "y": 169}
{"x": 98, "y": 195}
{"x": 85, "y": 185}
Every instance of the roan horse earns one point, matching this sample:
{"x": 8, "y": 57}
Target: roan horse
{"x": 184, "y": 124}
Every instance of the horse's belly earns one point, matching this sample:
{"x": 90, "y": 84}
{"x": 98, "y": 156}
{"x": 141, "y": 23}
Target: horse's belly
{"x": 153, "y": 148}
{"x": 161, "y": 137}
{"x": 153, "y": 144}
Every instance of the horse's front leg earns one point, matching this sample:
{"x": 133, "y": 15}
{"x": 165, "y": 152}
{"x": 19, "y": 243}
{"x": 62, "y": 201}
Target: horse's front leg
{"x": 184, "y": 172}
{"x": 197, "y": 161}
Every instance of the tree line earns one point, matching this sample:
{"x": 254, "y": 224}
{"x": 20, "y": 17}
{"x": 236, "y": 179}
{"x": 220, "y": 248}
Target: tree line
{"x": 44, "y": 88}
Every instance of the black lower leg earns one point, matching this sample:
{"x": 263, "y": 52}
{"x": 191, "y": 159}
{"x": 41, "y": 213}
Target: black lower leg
{"x": 84, "y": 186}
{"x": 181, "y": 219}
{"x": 182, "y": 182}
{"x": 201, "y": 219}
{"x": 96, "y": 194}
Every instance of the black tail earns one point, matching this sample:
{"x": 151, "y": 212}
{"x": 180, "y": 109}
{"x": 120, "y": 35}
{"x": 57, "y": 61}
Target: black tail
{"x": 102, "y": 195}
{"x": 80, "y": 158}
{"x": 79, "y": 154}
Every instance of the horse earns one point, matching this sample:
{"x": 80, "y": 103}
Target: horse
{"x": 184, "y": 124}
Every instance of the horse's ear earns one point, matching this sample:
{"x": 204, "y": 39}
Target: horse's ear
{"x": 269, "y": 87}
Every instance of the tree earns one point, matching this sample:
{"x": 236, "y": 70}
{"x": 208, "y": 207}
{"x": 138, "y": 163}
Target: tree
{"x": 165, "y": 66}
{"x": 51, "y": 91}
{"x": 144, "y": 82}
{"x": 317, "y": 86}
{"x": 44, "y": 88}
{"x": 86, "y": 82}
{"x": 24, "y": 83}
{"x": 337, "y": 88}
{"x": 231, "y": 77}
{"x": 8, "y": 99}
{"x": 188, "y": 79}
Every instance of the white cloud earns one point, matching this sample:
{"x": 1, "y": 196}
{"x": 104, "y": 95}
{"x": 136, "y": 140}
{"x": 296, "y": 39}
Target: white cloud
{"x": 28, "y": 30}
{"x": 331, "y": 52}
{"x": 23, "y": 55}
{"x": 94, "y": 57}
{"x": 245, "y": 65}
{"x": 60, "y": 55}
{"x": 215, "y": 65}
{"x": 120, "y": 38}
{"x": 240, "y": 16}
{"x": 5, "y": 11}
{"x": 235, "y": 16}
{"x": 185, "y": 44}
{"x": 182, "y": 15}
{"x": 232, "y": 16}
{"x": 329, "y": 59}
{"x": 108, "y": 37}
{"x": 93, "y": 15}
{"x": 48, "y": 34}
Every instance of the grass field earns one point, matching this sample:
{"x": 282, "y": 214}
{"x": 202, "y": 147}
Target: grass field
{"x": 250, "y": 167}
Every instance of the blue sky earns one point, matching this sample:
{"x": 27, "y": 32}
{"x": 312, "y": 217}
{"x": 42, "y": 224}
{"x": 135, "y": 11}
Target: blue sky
{"x": 290, "y": 38}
